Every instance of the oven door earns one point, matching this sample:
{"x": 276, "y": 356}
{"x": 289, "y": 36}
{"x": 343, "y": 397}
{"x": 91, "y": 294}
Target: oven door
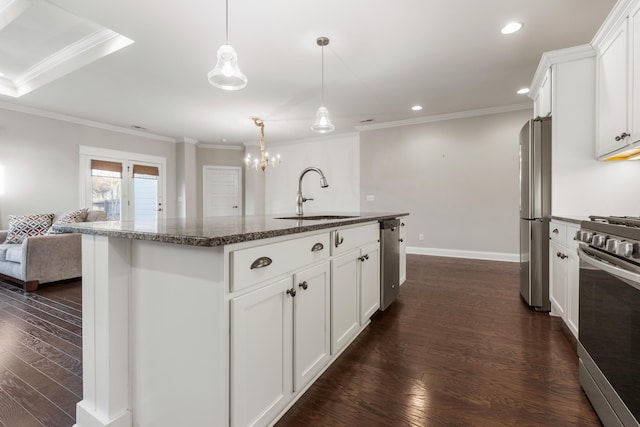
{"x": 609, "y": 331}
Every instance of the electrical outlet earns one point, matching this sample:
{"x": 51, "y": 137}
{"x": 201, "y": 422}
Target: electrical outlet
{"x": 420, "y": 236}
{"x": 371, "y": 198}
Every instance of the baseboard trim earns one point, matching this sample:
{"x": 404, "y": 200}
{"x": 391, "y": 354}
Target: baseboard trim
{"x": 453, "y": 253}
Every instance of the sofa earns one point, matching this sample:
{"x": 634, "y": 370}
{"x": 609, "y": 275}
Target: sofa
{"x": 44, "y": 258}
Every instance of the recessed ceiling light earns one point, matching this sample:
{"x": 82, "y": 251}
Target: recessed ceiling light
{"x": 416, "y": 107}
{"x": 511, "y": 27}
{"x": 523, "y": 91}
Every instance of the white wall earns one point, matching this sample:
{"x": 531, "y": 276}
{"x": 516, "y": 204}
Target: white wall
{"x": 337, "y": 156}
{"x": 458, "y": 179}
{"x": 40, "y": 160}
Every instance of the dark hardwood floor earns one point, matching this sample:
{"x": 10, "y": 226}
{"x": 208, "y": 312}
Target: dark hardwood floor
{"x": 458, "y": 348}
{"x": 40, "y": 355}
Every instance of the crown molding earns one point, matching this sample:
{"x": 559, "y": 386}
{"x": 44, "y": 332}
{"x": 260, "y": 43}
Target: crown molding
{"x": 70, "y": 58}
{"x": 220, "y": 146}
{"x": 613, "y": 20}
{"x": 12, "y": 10}
{"x": 84, "y": 122}
{"x": 556, "y": 57}
{"x": 449, "y": 116}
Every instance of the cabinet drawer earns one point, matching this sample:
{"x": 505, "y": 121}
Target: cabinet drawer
{"x": 346, "y": 239}
{"x": 557, "y": 232}
{"x": 254, "y": 265}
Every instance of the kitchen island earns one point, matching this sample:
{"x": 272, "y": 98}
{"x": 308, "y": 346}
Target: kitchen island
{"x": 222, "y": 321}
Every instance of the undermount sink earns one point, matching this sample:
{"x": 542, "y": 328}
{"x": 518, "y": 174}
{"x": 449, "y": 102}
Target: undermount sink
{"x": 319, "y": 217}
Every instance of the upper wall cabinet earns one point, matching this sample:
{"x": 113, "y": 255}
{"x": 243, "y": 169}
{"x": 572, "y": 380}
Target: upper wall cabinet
{"x": 612, "y": 124}
{"x": 617, "y": 91}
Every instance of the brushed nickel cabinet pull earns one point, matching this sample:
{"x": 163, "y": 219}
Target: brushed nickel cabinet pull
{"x": 555, "y": 231}
{"x": 317, "y": 247}
{"x": 261, "y": 262}
{"x": 339, "y": 239}
{"x": 291, "y": 292}
{"x": 304, "y": 285}
{"x": 622, "y": 136}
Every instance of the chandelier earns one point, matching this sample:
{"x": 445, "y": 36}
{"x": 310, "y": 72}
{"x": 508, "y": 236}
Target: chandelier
{"x": 264, "y": 160}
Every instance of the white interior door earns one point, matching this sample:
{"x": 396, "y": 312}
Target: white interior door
{"x": 221, "y": 187}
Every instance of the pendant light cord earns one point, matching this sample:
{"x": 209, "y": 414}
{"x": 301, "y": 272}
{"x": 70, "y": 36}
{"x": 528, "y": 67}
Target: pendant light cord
{"x": 226, "y": 22}
{"x": 322, "y": 68}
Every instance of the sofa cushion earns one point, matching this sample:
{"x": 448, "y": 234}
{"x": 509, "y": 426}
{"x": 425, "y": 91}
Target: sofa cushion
{"x": 21, "y": 227}
{"x": 14, "y": 253}
{"x": 78, "y": 215}
{"x": 96, "y": 216}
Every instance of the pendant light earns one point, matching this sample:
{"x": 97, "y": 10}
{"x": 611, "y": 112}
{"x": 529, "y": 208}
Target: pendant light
{"x": 323, "y": 123}
{"x": 226, "y": 74}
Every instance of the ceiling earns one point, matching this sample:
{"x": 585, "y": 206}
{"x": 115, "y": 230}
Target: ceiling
{"x": 384, "y": 57}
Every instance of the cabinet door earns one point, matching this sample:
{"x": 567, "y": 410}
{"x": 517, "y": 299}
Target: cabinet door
{"x": 369, "y": 281}
{"x": 344, "y": 299}
{"x": 557, "y": 279}
{"x": 612, "y": 82}
{"x": 260, "y": 356}
{"x": 573, "y": 292}
{"x": 311, "y": 339}
{"x": 403, "y": 251}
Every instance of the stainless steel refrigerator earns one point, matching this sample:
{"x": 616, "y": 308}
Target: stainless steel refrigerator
{"x": 535, "y": 212}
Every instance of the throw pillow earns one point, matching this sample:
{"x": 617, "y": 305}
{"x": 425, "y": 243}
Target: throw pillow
{"x": 21, "y": 227}
{"x": 79, "y": 215}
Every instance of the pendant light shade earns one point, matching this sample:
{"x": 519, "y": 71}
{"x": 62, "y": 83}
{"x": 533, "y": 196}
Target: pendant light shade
{"x": 226, "y": 74}
{"x": 323, "y": 122}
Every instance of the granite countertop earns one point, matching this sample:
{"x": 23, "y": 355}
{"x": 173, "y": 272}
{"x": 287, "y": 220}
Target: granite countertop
{"x": 218, "y": 231}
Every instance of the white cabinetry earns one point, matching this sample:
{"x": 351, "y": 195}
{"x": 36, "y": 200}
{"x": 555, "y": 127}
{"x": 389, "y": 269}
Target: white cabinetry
{"x": 612, "y": 92}
{"x": 293, "y": 307}
{"x": 564, "y": 269}
{"x": 261, "y": 354}
{"x": 403, "y": 251}
{"x": 542, "y": 100}
{"x": 618, "y": 87}
{"x": 369, "y": 281}
{"x": 279, "y": 342}
{"x": 344, "y": 299}
{"x": 355, "y": 282}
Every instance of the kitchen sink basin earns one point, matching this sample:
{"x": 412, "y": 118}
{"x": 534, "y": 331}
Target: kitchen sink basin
{"x": 318, "y": 217}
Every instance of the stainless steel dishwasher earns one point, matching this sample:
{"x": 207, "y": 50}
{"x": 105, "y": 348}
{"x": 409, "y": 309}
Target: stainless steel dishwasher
{"x": 390, "y": 261}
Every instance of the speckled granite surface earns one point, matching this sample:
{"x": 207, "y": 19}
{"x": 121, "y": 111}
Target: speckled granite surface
{"x": 218, "y": 231}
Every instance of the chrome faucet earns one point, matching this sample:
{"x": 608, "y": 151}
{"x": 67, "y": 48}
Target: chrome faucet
{"x": 300, "y": 199}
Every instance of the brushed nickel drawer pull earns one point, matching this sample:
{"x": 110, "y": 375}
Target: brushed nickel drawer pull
{"x": 317, "y": 247}
{"x": 338, "y": 239}
{"x": 261, "y": 262}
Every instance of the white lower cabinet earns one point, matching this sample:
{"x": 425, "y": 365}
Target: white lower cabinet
{"x": 403, "y": 251}
{"x": 345, "y": 319}
{"x": 261, "y": 354}
{"x": 288, "y": 321}
{"x": 564, "y": 271}
{"x": 311, "y": 311}
{"x": 279, "y": 342}
{"x": 369, "y": 281}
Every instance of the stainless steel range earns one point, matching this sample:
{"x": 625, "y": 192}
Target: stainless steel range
{"x": 609, "y": 331}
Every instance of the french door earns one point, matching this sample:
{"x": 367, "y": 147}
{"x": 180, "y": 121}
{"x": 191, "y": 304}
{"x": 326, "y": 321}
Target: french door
{"x": 127, "y": 186}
